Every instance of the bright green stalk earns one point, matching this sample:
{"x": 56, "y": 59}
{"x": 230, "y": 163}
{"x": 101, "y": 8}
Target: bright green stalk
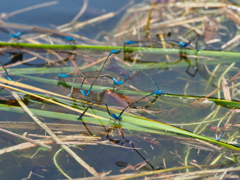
{"x": 127, "y": 49}
{"x": 133, "y": 123}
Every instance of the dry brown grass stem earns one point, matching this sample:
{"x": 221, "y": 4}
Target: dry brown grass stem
{"x": 137, "y": 27}
{"x": 178, "y": 23}
{"x": 45, "y": 99}
{"x": 230, "y": 80}
{"x": 190, "y": 175}
{"x": 229, "y": 118}
{"x": 225, "y": 89}
{"x": 83, "y": 9}
{"x": 235, "y": 39}
{"x": 29, "y": 9}
{"x": 96, "y": 19}
{"x": 90, "y": 169}
{"x": 53, "y": 126}
{"x": 21, "y": 62}
{"x": 90, "y": 21}
{"x": 181, "y": 5}
{"x": 27, "y": 27}
{"x": 28, "y": 145}
{"x": 25, "y": 139}
{"x": 39, "y": 56}
{"x": 98, "y": 61}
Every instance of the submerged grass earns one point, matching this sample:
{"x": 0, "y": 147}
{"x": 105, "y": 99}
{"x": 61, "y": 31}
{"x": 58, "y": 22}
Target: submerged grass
{"x": 135, "y": 120}
{"x": 185, "y": 48}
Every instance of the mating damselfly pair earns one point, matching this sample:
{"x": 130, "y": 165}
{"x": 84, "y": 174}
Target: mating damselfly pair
{"x": 86, "y": 94}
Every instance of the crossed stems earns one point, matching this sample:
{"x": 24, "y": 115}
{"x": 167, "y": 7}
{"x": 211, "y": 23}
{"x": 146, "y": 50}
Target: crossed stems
{"x": 115, "y": 82}
{"x": 83, "y": 91}
{"x": 6, "y": 72}
{"x": 183, "y": 45}
{"x": 119, "y": 117}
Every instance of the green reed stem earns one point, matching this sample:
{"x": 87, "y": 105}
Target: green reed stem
{"x": 126, "y": 49}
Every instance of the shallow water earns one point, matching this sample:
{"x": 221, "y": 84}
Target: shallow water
{"x": 186, "y": 79}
